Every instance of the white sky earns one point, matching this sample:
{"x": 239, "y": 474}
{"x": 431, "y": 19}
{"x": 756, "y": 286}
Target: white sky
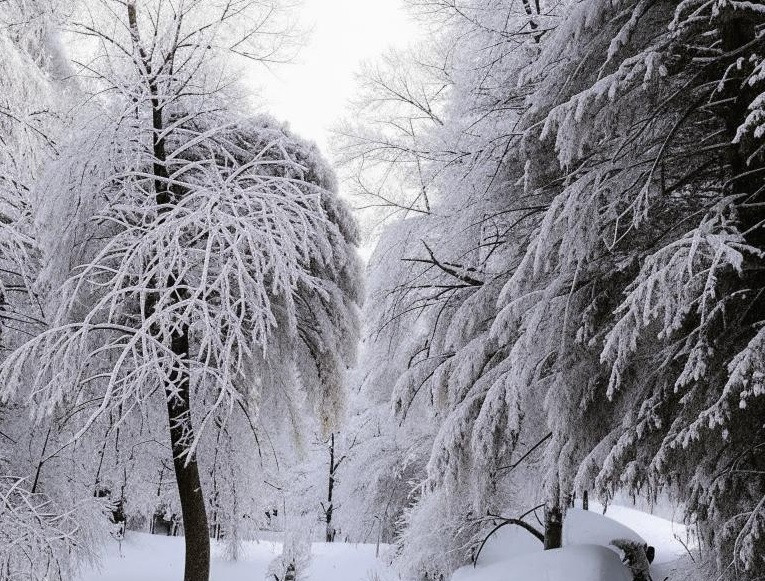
{"x": 312, "y": 94}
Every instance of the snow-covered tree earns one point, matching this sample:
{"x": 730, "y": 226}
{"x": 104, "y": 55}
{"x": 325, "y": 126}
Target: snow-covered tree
{"x": 435, "y": 277}
{"x": 599, "y": 271}
{"x": 673, "y": 185}
{"x": 198, "y": 264}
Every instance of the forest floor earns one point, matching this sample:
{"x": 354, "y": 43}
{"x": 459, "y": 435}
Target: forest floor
{"x": 511, "y": 555}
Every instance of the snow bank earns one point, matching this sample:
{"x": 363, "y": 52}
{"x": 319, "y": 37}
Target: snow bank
{"x": 513, "y": 554}
{"x": 580, "y": 527}
{"x": 588, "y": 527}
{"x": 574, "y": 563}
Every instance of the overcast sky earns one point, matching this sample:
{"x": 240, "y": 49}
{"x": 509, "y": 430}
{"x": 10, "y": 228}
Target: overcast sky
{"x": 312, "y": 93}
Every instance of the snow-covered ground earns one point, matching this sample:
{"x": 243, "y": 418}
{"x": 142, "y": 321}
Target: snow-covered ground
{"x": 148, "y": 557}
{"x": 510, "y": 555}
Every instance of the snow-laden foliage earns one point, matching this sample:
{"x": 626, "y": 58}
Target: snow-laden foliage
{"x": 255, "y": 251}
{"x": 38, "y": 537}
{"x": 593, "y": 258}
{"x": 30, "y": 99}
{"x": 45, "y": 529}
{"x": 268, "y": 283}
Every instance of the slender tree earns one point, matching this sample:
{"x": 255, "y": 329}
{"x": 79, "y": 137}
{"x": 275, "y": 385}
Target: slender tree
{"x": 198, "y": 259}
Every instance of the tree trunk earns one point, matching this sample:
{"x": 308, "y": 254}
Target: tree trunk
{"x": 553, "y": 528}
{"x": 196, "y": 533}
{"x": 585, "y": 501}
{"x": 177, "y": 390}
{"x": 330, "y": 531}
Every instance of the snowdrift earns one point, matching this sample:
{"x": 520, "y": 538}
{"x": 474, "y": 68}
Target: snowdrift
{"x": 588, "y": 527}
{"x": 513, "y": 554}
{"x": 574, "y": 563}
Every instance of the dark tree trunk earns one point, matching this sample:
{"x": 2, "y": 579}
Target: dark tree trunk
{"x": 330, "y": 531}
{"x": 196, "y": 533}
{"x": 193, "y": 511}
{"x": 553, "y": 528}
{"x": 585, "y": 501}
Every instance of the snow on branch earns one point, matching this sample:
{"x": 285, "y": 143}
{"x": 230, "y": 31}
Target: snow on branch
{"x": 36, "y": 537}
{"x": 675, "y": 283}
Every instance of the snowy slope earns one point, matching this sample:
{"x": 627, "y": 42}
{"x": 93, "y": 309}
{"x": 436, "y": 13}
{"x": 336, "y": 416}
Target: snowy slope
{"x": 589, "y": 527}
{"x": 671, "y": 540}
{"x": 666, "y": 536}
